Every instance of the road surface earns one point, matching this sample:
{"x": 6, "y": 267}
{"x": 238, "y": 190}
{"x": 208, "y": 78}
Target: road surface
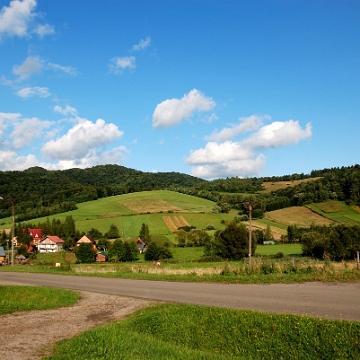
{"x": 326, "y": 300}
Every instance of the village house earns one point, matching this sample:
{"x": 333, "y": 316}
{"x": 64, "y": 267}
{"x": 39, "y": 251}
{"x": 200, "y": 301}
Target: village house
{"x": 50, "y": 243}
{"x": 86, "y": 239}
{"x": 2, "y": 256}
{"x": 140, "y": 245}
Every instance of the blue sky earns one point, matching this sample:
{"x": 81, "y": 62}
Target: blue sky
{"x": 210, "y": 88}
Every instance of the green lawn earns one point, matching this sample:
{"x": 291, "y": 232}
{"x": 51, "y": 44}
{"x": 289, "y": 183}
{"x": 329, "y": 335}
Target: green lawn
{"x": 186, "y": 332}
{"x": 286, "y": 249}
{"x": 25, "y": 298}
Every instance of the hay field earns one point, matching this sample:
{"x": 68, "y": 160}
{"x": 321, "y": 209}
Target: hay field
{"x": 150, "y": 205}
{"x": 295, "y": 215}
{"x": 277, "y": 185}
{"x": 174, "y": 222}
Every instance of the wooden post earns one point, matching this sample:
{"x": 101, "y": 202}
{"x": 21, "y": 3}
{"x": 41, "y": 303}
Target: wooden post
{"x": 357, "y": 260}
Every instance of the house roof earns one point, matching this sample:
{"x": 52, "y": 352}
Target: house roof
{"x": 86, "y": 238}
{"x": 53, "y": 238}
{"x": 103, "y": 253}
{"x": 2, "y": 251}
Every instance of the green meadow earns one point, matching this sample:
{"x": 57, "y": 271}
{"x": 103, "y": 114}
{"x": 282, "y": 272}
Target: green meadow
{"x": 177, "y": 331}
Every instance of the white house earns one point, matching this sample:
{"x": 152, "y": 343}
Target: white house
{"x": 50, "y": 244}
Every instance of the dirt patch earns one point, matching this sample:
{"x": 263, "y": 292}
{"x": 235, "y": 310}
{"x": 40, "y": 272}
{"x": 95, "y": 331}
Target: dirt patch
{"x": 174, "y": 222}
{"x": 151, "y": 205}
{"x": 31, "y": 335}
{"x": 105, "y": 216}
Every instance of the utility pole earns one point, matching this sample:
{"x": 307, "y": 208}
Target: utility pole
{"x": 250, "y": 204}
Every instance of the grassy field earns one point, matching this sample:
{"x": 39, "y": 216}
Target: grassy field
{"x": 286, "y": 249}
{"x": 193, "y": 332}
{"x": 278, "y": 185}
{"x": 129, "y": 211}
{"x": 337, "y": 211}
{"x": 25, "y": 298}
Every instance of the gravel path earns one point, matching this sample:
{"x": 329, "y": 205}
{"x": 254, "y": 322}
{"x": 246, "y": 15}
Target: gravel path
{"x": 31, "y": 335}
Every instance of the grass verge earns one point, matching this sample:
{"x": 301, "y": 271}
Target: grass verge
{"x": 193, "y": 332}
{"x": 25, "y": 298}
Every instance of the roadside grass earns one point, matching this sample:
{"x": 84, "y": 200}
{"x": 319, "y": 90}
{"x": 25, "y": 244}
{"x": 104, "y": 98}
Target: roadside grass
{"x": 177, "y": 331}
{"x": 286, "y": 249}
{"x": 26, "y": 298}
{"x": 337, "y": 211}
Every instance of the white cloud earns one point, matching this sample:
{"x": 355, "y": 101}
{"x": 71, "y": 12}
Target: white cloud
{"x": 26, "y": 130}
{"x": 224, "y": 157}
{"x": 119, "y": 64}
{"x": 67, "y": 110}
{"x": 17, "y": 19}
{"x": 173, "y": 111}
{"x": 279, "y": 134}
{"x": 31, "y": 65}
{"x": 247, "y": 124}
{"x": 143, "y": 44}
{"x": 82, "y": 140}
{"x": 239, "y": 168}
{"x": 26, "y": 92}
{"x": 66, "y": 69}
{"x": 10, "y": 161}
{"x": 43, "y": 30}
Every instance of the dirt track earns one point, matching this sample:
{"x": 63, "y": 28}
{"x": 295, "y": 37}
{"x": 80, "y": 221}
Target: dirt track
{"x": 31, "y": 335}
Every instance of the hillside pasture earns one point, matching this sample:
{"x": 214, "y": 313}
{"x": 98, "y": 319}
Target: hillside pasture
{"x": 270, "y": 186}
{"x": 337, "y": 211}
{"x": 296, "y": 215}
{"x": 150, "y": 205}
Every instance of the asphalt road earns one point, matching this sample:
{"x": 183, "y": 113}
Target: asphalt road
{"x": 326, "y": 300}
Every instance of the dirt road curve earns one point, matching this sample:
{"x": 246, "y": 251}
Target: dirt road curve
{"x": 327, "y": 300}
{"x": 31, "y": 335}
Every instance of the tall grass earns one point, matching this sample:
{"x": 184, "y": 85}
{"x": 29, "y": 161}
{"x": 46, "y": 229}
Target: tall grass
{"x": 24, "y": 298}
{"x": 194, "y": 332}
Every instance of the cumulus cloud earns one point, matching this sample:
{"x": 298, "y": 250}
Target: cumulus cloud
{"x": 143, "y": 44}
{"x": 82, "y": 140}
{"x": 247, "y": 124}
{"x": 172, "y": 111}
{"x": 278, "y": 134}
{"x": 31, "y": 65}
{"x": 225, "y": 157}
{"x": 17, "y": 19}
{"x": 119, "y": 64}
{"x": 10, "y": 161}
{"x": 38, "y": 91}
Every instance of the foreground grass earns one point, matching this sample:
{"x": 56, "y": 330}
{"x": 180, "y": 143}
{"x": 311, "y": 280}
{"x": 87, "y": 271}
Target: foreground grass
{"x": 24, "y": 298}
{"x": 194, "y": 332}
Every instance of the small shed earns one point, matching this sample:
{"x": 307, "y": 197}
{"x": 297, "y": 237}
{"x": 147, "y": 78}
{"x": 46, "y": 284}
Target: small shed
{"x": 140, "y": 245}
{"x": 101, "y": 256}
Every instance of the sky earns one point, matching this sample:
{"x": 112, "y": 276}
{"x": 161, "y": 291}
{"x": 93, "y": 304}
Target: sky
{"x": 210, "y": 88}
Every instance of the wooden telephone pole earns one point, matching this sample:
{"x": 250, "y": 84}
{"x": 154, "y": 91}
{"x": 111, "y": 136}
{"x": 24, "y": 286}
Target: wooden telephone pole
{"x": 250, "y": 204}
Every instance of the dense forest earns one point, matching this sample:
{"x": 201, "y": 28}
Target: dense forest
{"x": 38, "y": 192}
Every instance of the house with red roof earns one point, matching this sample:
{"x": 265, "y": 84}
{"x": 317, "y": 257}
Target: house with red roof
{"x": 50, "y": 243}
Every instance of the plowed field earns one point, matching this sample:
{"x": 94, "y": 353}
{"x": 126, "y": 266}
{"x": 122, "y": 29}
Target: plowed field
{"x": 174, "y": 222}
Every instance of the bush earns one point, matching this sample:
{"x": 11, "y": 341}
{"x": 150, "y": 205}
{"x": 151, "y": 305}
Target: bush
{"x": 85, "y": 254}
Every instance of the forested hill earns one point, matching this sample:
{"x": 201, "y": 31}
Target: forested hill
{"x": 39, "y": 192}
